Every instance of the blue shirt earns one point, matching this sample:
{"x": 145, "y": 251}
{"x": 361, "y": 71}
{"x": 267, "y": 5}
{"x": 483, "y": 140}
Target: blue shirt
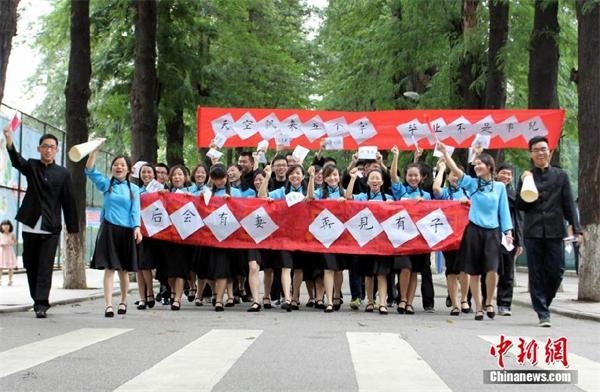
{"x": 234, "y": 192}
{"x": 451, "y": 193}
{"x": 373, "y": 196}
{"x": 334, "y": 193}
{"x": 122, "y": 204}
{"x": 489, "y": 203}
{"x": 402, "y": 192}
{"x": 196, "y": 189}
{"x": 280, "y": 193}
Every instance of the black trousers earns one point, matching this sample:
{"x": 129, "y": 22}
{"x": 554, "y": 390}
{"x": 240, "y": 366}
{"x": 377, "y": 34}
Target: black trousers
{"x": 427, "y": 293}
{"x": 506, "y": 278}
{"x": 39, "y": 251}
{"x": 546, "y": 267}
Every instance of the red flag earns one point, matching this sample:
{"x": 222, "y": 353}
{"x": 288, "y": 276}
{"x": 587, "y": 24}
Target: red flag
{"x": 14, "y": 123}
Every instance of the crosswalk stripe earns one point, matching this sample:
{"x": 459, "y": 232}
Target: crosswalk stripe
{"x": 587, "y": 370}
{"x": 204, "y": 362}
{"x": 382, "y": 362}
{"x": 33, "y": 354}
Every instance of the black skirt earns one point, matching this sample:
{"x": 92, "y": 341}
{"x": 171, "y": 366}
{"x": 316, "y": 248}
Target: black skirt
{"x": 480, "y": 250}
{"x": 415, "y": 263}
{"x": 149, "y": 254}
{"x": 179, "y": 260}
{"x": 115, "y": 248}
{"x": 452, "y": 262}
{"x": 219, "y": 263}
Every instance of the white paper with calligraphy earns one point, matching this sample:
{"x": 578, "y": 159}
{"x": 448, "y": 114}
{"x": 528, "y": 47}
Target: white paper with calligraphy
{"x": 259, "y": 225}
{"x": 434, "y": 227}
{"x": 155, "y": 217}
{"x": 292, "y": 125}
{"x": 293, "y": 198}
{"x": 437, "y": 153}
{"x": 300, "y": 153}
{"x": 367, "y": 152}
{"x": 507, "y": 131}
{"x": 212, "y": 153}
{"x": 413, "y": 131}
{"x": 336, "y": 127}
{"x": 222, "y": 223}
{"x": 268, "y": 126}
{"x": 363, "y": 227}
{"x": 219, "y": 140}
{"x": 400, "y": 228}
{"x": 326, "y": 228}
{"x": 187, "y": 220}
{"x": 481, "y": 141}
{"x": 334, "y": 143}
{"x": 362, "y": 130}
{"x": 154, "y": 186}
{"x": 534, "y": 127}
{"x": 223, "y": 125}
{"x": 313, "y": 129}
{"x": 282, "y": 138}
{"x": 245, "y": 126}
{"x": 459, "y": 129}
{"x": 438, "y": 128}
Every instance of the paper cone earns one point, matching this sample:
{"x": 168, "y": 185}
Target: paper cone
{"x": 529, "y": 192}
{"x": 80, "y": 151}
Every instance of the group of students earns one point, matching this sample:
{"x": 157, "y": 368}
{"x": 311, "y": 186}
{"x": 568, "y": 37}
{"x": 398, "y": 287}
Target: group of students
{"x": 119, "y": 245}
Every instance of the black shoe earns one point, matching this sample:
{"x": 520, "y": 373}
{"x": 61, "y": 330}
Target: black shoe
{"x": 219, "y": 307}
{"x": 267, "y": 303}
{"x": 455, "y": 312}
{"x": 108, "y": 312}
{"x": 41, "y": 314}
{"x": 166, "y": 301}
{"x": 465, "y": 310}
{"x": 122, "y": 308}
{"x": 141, "y": 305}
{"x": 230, "y": 303}
{"x": 383, "y": 310}
{"x": 319, "y": 304}
{"x": 254, "y": 308}
{"x": 338, "y": 305}
{"x": 479, "y": 315}
{"x": 491, "y": 314}
{"x": 448, "y": 302}
{"x": 295, "y": 305}
{"x": 287, "y": 306}
{"x": 150, "y": 301}
{"x": 176, "y": 305}
{"x": 329, "y": 308}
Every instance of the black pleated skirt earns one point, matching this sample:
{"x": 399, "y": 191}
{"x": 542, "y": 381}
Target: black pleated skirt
{"x": 115, "y": 248}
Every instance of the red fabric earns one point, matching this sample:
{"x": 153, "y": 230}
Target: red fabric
{"x": 294, "y": 221}
{"x": 385, "y": 122}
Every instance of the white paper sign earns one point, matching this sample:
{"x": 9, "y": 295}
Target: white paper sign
{"x": 400, "y": 228}
{"x": 293, "y": 198}
{"x": 326, "y": 228}
{"x": 268, "y": 126}
{"x": 263, "y": 146}
{"x": 187, "y": 220}
{"x": 245, "y": 126}
{"x": 507, "y": 129}
{"x": 220, "y": 140}
{"x": 533, "y": 127}
{"x": 262, "y": 158}
{"x": 334, "y": 143}
{"x": 222, "y": 223}
{"x": 291, "y": 125}
{"x": 363, "y": 227}
{"x": 459, "y": 129}
{"x": 413, "y": 131}
{"x": 206, "y": 194}
{"x": 313, "y": 129}
{"x": 212, "y": 153}
{"x": 336, "y": 127}
{"x": 437, "y": 153}
{"x": 283, "y": 139}
{"x": 300, "y": 154}
{"x": 367, "y": 152}
{"x": 223, "y": 125}
{"x": 154, "y": 186}
{"x": 362, "y": 130}
{"x": 481, "y": 141}
{"x": 434, "y": 227}
{"x": 155, "y": 218}
{"x": 259, "y": 225}
{"x": 472, "y": 155}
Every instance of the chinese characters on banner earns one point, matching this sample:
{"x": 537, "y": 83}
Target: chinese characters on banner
{"x": 340, "y": 227}
{"x": 238, "y": 127}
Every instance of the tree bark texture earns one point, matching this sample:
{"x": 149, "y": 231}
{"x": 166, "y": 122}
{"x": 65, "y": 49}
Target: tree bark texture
{"x": 143, "y": 97}
{"x": 470, "y": 66}
{"x": 588, "y": 119}
{"x": 175, "y": 130}
{"x": 77, "y": 95}
{"x": 8, "y": 29}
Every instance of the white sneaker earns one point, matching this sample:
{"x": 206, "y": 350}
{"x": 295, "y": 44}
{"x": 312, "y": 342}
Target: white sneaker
{"x": 504, "y": 311}
{"x": 545, "y": 323}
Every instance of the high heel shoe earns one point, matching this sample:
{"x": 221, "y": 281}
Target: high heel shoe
{"x": 109, "y": 312}
{"x": 254, "y": 308}
{"x": 401, "y": 309}
{"x": 176, "y": 305}
{"x": 141, "y": 304}
{"x": 463, "y": 309}
{"x": 267, "y": 303}
{"x": 150, "y": 301}
{"x": 122, "y": 308}
{"x": 491, "y": 314}
{"x": 479, "y": 315}
{"x": 219, "y": 307}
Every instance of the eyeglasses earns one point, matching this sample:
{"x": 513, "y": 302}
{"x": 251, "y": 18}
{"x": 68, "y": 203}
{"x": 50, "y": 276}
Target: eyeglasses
{"x": 537, "y": 150}
{"x": 48, "y": 147}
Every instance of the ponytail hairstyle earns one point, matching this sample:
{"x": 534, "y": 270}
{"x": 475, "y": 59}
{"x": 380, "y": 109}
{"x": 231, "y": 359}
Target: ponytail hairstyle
{"x": 218, "y": 172}
{"x": 327, "y": 171}
{"x": 113, "y": 180}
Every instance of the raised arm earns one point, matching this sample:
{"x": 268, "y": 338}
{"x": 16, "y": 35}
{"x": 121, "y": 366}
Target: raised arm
{"x": 437, "y": 181}
{"x": 310, "y": 190}
{"x": 350, "y": 188}
{"x": 262, "y": 191}
{"x": 394, "y": 167}
{"x": 449, "y": 161}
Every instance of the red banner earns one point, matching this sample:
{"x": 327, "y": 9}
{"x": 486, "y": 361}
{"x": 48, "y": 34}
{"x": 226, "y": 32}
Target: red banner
{"x": 239, "y": 127}
{"x": 294, "y": 223}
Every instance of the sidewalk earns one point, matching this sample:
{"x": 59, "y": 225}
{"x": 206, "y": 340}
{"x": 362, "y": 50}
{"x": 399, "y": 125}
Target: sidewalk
{"x": 16, "y": 298}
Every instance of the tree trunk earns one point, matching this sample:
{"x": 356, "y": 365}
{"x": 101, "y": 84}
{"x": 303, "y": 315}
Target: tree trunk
{"x": 8, "y": 29}
{"x": 175, "y": 130}
{"x": 543, "y": 60}
{"x": 588, "y": 119}
{"x": 495, "y": 93}
{"x": 143, "y": 96}
{"x": 77, "y": 95}
{"x": 471, "y": 62}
